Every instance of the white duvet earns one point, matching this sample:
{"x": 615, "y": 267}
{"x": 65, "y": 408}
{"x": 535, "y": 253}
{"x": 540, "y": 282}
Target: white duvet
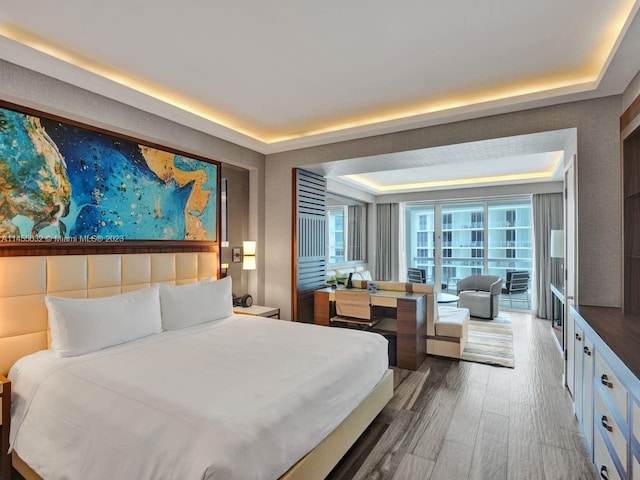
{"x": 240, "y": 398}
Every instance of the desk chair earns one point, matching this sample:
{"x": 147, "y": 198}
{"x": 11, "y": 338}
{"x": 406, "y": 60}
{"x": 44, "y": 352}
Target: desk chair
{"x": 353, "y": 307}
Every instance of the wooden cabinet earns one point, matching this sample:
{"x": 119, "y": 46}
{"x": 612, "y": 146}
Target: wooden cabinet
{"x": 583, "y": 382}
{"x": 607, "y": 390}
{"x": 578, "y": 343}
{"x": 588, "y": 361}
{"x": 5, "y": 420}
{"x": 603, "y": 461}
{"x": 570, "y": 351}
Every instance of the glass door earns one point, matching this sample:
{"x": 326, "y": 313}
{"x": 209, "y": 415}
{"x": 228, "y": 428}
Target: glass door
{"x": 421, "y": 239}
{"x": 463, "y": 246}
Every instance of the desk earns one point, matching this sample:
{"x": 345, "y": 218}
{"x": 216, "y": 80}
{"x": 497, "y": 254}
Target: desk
{"x": 411, "y": 309}
{"x": 447, "y": 298}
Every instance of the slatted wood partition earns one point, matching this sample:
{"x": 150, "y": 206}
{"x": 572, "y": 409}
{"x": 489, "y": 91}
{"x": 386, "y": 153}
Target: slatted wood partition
{"x": 309, "y": 260}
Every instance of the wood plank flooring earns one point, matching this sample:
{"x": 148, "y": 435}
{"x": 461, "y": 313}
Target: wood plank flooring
{"x": 459, "y": 420}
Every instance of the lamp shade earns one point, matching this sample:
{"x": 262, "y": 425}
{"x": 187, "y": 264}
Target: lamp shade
{"x": 249, "y": 262}
{"x": 248, "y": 248}
{"x": 557, "y": 243}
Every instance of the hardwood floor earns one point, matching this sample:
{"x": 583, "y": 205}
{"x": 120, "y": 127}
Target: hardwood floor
{"x": 459, "y": 420}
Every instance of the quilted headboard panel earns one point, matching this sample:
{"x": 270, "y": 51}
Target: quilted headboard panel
{"x": 24, "y": 282}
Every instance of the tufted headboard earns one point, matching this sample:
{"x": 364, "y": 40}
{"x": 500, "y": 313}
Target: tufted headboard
{"x": 24, "y": 282}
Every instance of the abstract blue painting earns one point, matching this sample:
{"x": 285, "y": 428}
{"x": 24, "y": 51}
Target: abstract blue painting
{"x": 62, "y": 181}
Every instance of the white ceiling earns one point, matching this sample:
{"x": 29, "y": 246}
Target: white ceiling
{"x": 531, "y": 158}
{"x": 284, "y": 75}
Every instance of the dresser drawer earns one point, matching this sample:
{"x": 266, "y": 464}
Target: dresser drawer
{"x": 612, "y": 386}
{"x": 602, "y": 459}
{"x": 611, "y": 429}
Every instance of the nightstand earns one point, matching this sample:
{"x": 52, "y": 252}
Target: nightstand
{"x": 5, "y": 420}
{"x": 258, "y": 311}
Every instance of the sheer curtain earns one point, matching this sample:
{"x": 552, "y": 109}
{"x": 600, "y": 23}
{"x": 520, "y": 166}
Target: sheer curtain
{"x": 547, "y": 210}
{"x": 387, "y": 241}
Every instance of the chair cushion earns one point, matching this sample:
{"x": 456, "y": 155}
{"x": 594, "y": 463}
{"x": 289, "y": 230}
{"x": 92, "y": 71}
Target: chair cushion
{"x": 478, "y": 303}
{"x": 452, "y": 321}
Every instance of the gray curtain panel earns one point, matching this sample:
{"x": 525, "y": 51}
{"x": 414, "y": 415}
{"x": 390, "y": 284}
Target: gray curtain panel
{"x": 354, "y": 232}
{"x": 547, "y": 215}
{"x": 387, "y": 252}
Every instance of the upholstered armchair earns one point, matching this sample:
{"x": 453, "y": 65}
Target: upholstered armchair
{"x": 480, "y": 294}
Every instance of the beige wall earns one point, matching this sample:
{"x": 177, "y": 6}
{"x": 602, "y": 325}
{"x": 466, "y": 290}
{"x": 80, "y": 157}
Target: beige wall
{"x": 28, "y": 88}
{"x": 597, "y": 123}
{"x": 237, "y": 222}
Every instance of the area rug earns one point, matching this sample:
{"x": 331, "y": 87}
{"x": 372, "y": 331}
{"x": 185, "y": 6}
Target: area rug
{"x": 490, "y": 341}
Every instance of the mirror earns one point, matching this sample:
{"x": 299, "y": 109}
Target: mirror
{"x": 235, "y": 221}
{"x": 346, "y": 230}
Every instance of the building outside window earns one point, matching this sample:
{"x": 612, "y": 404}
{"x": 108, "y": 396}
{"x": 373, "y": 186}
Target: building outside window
{"x": 510, "y": 238}
{"x": 490, "y": 237}
{"x": 461, "y": 225}
{"x": 421, "y": 242}
{"x": 335, "y": 237}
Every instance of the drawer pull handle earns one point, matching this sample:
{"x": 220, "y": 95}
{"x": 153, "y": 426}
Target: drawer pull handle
{"x": 603, "y": 473}
{"x": 587, "y": 351}
{"x": 578, "y": 337}
{"x": 605, "y": 381}
{"x": 605, "y": 423}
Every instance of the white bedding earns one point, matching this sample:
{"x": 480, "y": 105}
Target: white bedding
{"x": 244, "y": 397}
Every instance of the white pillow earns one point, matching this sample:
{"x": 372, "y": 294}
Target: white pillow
{"x": 88, "y": 324}
{"x": 186, "y": 305}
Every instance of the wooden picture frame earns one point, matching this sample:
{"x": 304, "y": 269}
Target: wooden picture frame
{"x": 72, "y": 188}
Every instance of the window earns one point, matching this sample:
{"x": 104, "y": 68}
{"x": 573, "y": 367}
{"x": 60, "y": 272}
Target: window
{"x": 346, "y": 230}
{"x": 486, "y": 237}
{"x": 509, "y": 245}
{"x": 477, "y": 238}
{"x": 462, "y": 234}
{"x": 477, "y": 219}
{"x": 421, "y": 239}
{"x": 335, "y": 243}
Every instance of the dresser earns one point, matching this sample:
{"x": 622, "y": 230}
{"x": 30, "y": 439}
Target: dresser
{"x": 607, "y": 388}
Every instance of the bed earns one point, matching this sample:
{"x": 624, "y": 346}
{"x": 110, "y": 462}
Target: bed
{"x": 170, "y": 404}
